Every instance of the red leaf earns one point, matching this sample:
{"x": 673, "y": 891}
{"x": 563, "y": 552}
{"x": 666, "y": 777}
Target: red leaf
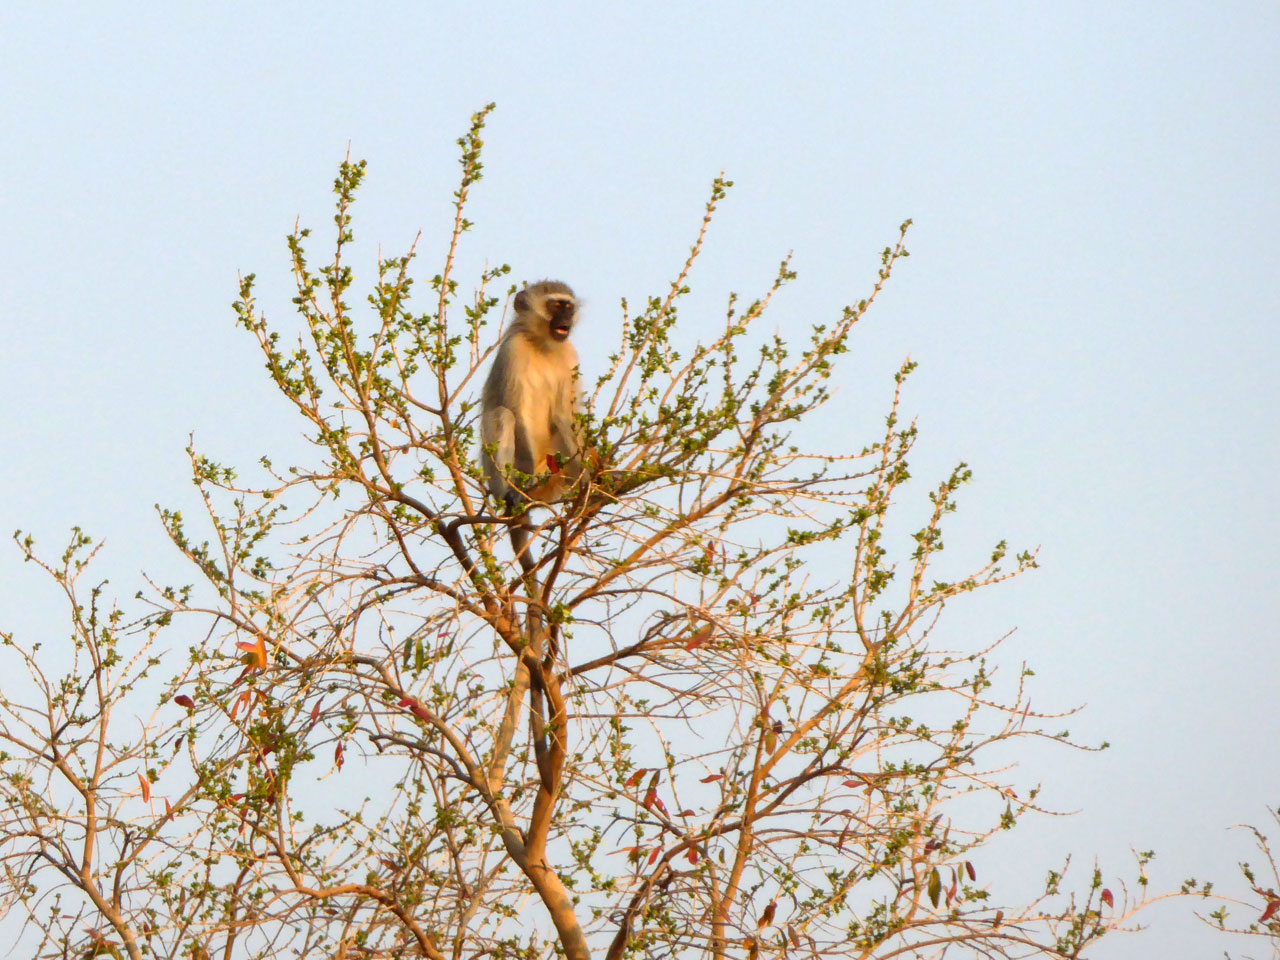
{"x": 552, "y": 463}
{"x": 168, "y": 808}
{"x": 146, "y": 788}
{"x": 337, "y": 755}
{"x": 315, "y": 711}
{"x": 650, "y": 795}
{"x": 699, "y": 638}
{"x": 973, "y": 874}
{"x": 853, "y": 783}
{"x": 654, "y": 856}
{"x": 692, "y": 855}
{"x": 1268, "y": 913}
{"x": 634, "y": 778}
{"x": 711, "y": 779}
{"x": 1107, "y": 898}
{"x": 183, "y": 700}
{"x": 661, "y": 806}
{"x": 417, "y": 709}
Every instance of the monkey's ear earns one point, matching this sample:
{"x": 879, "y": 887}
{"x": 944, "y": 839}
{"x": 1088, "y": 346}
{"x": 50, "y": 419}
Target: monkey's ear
{"x": 522, "y": 301}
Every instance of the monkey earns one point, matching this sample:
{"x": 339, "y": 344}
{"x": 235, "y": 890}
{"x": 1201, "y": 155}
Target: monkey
{"x": 530, "y": 402}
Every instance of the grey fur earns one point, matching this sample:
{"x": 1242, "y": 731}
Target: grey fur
{"x": 529, "y": 400}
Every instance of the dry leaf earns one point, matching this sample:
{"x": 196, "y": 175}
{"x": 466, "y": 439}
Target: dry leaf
{"x": 766, "y": 918}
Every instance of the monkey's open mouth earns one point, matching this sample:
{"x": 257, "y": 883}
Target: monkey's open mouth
{"x": 560, "y": 330}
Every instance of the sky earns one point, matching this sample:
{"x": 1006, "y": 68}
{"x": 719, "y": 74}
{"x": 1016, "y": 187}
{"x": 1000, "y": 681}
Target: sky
{"x": 1092, "y": 296}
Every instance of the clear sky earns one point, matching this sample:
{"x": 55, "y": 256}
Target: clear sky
{"x": 1093, "y": 294}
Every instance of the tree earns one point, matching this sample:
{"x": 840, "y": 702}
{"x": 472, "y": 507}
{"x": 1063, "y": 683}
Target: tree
{"x": 712, "y": 720}
{"x": 1263, "y": 883}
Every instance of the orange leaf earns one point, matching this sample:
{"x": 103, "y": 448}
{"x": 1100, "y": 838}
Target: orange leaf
{"x": 146, "y": 788}
{"x": 257, "y": 648}
{"x": 711, "y": 779}
{"x": 1107, "y": 898}
{"x": 692, "y": 855}
{"x": 168, "y": 808}
{"x": 337, "y": 755}
{"x": 183, "y": 700}
{"x": 853, "y": 783}
{"x": 654, "y": 856}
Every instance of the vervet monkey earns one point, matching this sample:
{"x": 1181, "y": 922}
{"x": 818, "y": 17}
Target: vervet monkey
{"x": 530, "y": 401}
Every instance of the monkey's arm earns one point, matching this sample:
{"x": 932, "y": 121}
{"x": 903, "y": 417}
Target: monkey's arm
{"x": 498, "y": 431}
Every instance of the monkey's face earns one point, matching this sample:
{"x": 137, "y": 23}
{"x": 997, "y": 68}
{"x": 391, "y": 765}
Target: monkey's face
{"x": 560, "y": 314}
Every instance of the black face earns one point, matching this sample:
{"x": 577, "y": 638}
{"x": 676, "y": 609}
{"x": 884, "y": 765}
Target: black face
{"x": 560, "y": 317}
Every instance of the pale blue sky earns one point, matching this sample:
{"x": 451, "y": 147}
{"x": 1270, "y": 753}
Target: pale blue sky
{"x": 1092, "y": 296}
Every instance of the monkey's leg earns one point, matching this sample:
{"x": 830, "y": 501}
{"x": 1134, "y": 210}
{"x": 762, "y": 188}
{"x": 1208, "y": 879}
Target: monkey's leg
{"x": 520, "y": 537}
